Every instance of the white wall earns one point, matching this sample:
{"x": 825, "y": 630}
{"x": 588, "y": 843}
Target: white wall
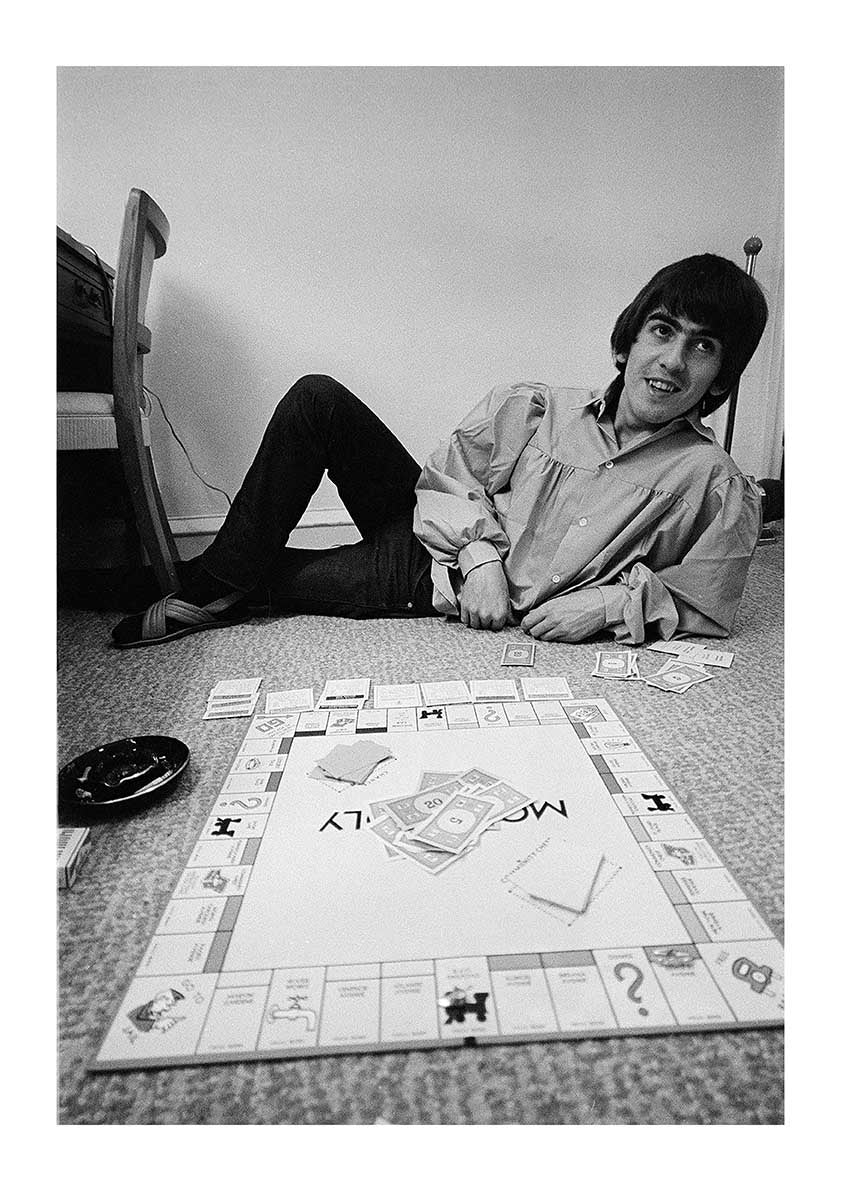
{"x": 420, "y": 233}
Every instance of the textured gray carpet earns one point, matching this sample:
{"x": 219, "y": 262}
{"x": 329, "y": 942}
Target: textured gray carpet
{"x": 720, "y": 747}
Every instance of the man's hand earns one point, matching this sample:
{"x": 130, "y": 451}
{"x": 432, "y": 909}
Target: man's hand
{"x": 573, "y": 617}
{"x": 484, "y": 599}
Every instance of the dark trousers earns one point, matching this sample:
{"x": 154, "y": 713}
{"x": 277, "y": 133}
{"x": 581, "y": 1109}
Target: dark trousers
{"x": 318, "y": 427}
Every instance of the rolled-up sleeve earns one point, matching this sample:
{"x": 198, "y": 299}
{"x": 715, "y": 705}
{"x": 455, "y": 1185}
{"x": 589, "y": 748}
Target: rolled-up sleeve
{"x": 454, "y": 514}
{"x": 701, "y": 593}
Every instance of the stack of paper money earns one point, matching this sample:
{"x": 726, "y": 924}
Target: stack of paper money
{"x": 444, "y": 818}
{"x": 677, "y": 676}
{"x": 620, "y": 664}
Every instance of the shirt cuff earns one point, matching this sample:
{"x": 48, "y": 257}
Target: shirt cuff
{"x": 614, "y": 598}
{"x": 475, "y": 554}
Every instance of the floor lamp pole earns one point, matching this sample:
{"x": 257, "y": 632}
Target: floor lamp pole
{"x": 752, "y": 247}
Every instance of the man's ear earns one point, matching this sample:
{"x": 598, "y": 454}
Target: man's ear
{"x": 719, "y": 390}
{"x": 620, "y": 358}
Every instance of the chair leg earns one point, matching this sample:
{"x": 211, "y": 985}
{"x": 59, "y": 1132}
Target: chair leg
{"x": 169, "y": 570}
{"x": 149, "y": 512}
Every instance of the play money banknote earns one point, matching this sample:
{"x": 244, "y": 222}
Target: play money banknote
{"x": 413, "y": 809}
{"x": 457, "y": 823}
{"x": 509, "y": 799}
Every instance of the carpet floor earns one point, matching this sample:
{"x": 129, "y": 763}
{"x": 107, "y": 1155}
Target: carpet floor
{"x": 720, "y": 748}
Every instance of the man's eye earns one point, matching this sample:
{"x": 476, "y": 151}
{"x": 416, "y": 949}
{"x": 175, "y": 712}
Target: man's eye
{"x": 661, "y": 330}
{"x": 706, "y": 346}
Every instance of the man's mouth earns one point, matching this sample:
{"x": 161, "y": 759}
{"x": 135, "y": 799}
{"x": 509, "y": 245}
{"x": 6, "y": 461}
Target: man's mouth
{"x": 661, "y": 386}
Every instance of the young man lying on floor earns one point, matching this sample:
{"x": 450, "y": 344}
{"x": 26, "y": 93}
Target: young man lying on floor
{"x": 566, "y": 511}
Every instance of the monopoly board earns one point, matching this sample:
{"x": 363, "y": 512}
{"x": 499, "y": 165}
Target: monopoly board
{"x": 294, "y": 930}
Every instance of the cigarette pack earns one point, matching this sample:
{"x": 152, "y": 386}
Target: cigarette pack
{"x": 73, "y": 847}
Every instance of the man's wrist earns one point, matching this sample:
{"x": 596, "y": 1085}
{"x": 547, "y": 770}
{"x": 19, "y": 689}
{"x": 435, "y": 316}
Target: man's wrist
{"x": 482, "y": 565}
{"x": 476, "y": 554}
{"x": 614, "y": 599}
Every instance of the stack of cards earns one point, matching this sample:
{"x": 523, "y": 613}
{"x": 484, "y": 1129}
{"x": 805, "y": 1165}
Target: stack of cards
{"x": 402, "y": 694}
{"x": 621, "y": 664}
{"x": 561, "y": 870}
{"x": 493, "y": 690}
{"x": 515, "y": 653}
{"x": 444, "y": 818}
{"x": 344, "y": 692}
{"x": 678, "y": 676}
{"x": 689, "y": 651}
{"x": 441, "y": 694}
{"x": 352, "y": 763}
{"x": 297, "y": 700}
{"x": 232, "y": 697}
{"x": 555, "y": 687}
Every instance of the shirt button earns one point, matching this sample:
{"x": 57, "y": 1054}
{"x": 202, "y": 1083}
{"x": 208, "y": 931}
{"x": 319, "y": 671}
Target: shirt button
{"x": 556, "y": 578}
{"x": 609, "y": 463}
{"x": 582, "y": 521}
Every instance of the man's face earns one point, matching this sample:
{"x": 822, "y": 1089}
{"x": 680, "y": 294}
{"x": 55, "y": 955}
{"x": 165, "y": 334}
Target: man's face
{"x": 672, "y": 365}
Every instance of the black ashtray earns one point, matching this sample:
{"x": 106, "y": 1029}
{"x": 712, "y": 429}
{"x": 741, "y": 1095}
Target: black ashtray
{"x": 123, "y": 776}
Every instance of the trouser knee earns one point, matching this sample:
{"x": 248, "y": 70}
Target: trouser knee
{"x": 315, "y": 395}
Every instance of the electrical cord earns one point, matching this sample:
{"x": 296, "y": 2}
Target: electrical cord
{"x": 174, "y": 434}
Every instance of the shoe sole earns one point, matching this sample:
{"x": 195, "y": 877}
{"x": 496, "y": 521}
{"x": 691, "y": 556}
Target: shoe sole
{"x": 185, "y": 632}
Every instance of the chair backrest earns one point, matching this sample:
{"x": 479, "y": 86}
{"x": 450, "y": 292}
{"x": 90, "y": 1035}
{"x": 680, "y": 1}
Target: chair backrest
{"x": 144, "y": 238}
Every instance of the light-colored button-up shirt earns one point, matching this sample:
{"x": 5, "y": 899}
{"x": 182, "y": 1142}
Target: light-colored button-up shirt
{"x": 664, "y": 528}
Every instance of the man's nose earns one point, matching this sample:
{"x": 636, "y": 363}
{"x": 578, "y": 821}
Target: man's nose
{"x": 673, "y": 356}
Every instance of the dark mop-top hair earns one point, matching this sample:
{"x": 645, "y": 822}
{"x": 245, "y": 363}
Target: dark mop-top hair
{"x": 708, "y": 290}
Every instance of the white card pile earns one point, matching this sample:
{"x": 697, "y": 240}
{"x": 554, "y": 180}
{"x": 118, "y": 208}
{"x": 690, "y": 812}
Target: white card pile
{"x": 493, "y": 690}
{"x": 297, "y": 700}
{"x": 443, "y": 820}
{"x": 344, "y": 692}
{"x": 401, "y": 694}
{"x": 560, "y": 870}
{"x": 232, "y": 697}
{"x": 555, "y": 687}
{"x": 352, "y": 763}
{"x": 441, "y": 693}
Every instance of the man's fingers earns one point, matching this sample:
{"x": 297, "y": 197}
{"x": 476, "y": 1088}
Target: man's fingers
{"x": 486, "y": 618}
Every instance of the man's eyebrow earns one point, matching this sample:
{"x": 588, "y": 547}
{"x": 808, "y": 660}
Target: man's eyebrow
{"x": 663, "y": 316}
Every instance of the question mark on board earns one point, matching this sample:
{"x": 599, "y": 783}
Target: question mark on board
{"x": 246, "y": 806}
{"x": 633, "y": 995}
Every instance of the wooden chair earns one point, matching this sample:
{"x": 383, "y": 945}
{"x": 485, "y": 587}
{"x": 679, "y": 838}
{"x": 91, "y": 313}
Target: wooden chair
{"x": 120, "y": 420}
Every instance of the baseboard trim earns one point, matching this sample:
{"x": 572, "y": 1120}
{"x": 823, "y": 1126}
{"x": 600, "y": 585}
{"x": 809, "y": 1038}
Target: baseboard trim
{"x": 208, "y": 526}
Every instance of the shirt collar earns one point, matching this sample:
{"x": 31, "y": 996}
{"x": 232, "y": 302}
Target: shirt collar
{"x": 693, "y": 419}
{"x": 595, "y": 398}
{"x": 598, "y": 401}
